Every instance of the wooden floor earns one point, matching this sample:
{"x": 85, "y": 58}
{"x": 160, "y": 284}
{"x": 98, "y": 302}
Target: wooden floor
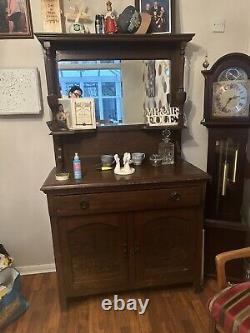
{"x": 172, "y": 310}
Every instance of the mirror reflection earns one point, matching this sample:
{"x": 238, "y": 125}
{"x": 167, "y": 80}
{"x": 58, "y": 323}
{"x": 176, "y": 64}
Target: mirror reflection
{"x": 122, "y": 89}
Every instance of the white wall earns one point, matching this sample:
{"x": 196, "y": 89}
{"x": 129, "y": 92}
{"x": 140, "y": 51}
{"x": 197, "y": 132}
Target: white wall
{"x": 26, "y": 159}
{"x": 197, "y": 16}
{"x": 26, "y": 148}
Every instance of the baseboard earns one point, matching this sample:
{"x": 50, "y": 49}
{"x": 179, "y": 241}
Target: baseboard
{"x": 36, "y": 269}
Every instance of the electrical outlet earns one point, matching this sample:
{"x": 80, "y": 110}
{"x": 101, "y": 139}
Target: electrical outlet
{"x": 218, "y": 25}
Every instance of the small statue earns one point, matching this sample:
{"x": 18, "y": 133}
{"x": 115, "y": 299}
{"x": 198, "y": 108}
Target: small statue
{"x": 117, "y": 166}
{"x": 110, "y": 20}
{"x": 126, "y": 169}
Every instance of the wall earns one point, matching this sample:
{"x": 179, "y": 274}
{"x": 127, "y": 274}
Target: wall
{"x": 132, "y": 98}
{"x": 26, "y": 148}
{"x": 197, "y": 16}
{"x": 26, "y": 158}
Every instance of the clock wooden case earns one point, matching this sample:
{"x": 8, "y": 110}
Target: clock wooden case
{"x": 226, "y": 115}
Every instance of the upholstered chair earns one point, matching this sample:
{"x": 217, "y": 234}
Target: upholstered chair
{"x": 229, "y": 309}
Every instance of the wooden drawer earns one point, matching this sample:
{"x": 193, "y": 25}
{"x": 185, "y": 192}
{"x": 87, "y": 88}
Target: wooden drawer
{"x": 125, "y": 201}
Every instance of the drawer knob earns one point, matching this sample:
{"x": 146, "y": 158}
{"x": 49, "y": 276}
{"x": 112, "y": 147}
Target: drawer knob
{"x": 84, "y": 204}
{"x": 125, "y": 248}
{"x": 175, "y": 196}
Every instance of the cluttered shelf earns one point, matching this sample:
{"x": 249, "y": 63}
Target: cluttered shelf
{"x": 73, "y": 38}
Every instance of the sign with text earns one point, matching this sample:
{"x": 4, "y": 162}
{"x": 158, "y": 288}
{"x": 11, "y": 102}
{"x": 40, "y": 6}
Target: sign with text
{"x": 51, "y": 16}
{"x": 164, "y": 116}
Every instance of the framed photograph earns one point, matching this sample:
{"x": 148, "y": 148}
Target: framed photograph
{"x": 79, "y": 112}
{"x": 20, "y": 91}
{"x": 162, "y": 14}
{"x": 15, "y": 19}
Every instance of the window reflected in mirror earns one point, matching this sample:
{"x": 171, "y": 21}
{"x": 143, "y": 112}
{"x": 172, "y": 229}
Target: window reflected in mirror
{"x": 122, "y": 89}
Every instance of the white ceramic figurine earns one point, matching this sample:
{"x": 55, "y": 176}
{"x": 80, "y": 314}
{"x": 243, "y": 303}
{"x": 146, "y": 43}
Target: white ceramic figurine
{"x": 126, "y": 170}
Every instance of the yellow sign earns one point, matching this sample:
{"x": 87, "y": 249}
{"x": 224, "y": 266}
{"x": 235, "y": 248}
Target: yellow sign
{"x": 51, "y": 12}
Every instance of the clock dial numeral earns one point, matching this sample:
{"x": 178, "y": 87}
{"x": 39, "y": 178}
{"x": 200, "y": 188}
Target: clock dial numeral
{"x": 231, "y": 99}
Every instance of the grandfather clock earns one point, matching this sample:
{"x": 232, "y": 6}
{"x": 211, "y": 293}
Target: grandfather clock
{"x": 227, "y": 117}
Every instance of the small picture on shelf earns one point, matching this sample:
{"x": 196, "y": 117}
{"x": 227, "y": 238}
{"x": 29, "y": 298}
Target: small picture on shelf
{"x": 161, "y": 14}
{"x": 79, "y": 112}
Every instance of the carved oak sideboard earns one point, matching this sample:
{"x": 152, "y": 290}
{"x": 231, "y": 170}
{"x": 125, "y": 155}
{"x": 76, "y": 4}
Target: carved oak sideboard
{"x": 114, "y": 233}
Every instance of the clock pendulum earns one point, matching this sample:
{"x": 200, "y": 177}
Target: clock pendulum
{"x": 227, "y": 118}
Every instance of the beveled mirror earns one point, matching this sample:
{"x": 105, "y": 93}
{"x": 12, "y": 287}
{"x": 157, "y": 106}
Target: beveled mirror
{"x": 122, "y": 89}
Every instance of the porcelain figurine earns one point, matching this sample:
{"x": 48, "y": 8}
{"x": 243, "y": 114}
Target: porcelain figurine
{"x": 117, "y": 166}
{"x": 126, "y": 169}
{"x": 110, "y": 20}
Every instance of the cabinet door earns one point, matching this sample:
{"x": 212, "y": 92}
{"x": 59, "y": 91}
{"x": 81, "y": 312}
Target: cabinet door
{"x": 93, "y": 252}
{"x": 166, "y": 245}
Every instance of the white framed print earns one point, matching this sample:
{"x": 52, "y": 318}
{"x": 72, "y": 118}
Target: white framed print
{"x": 20, "y": 91}
{"x": 80, "y": 112}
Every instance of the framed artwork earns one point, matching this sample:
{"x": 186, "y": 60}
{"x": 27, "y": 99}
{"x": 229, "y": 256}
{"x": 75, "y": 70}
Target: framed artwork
{"x": 15, "y": 19}
{"x": 162, "y": 14}
{"x": 20, "y": 91}
{"x": 79, "y": 112}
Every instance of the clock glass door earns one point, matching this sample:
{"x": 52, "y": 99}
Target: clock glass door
{"x": 226, "y": 158}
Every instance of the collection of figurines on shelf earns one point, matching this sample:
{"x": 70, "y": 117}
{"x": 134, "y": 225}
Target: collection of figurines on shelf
{"x": 129, "y": 21}
{"x": 165, "y": 156}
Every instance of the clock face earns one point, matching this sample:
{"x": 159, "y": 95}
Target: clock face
{"x": 232, "y": 74}
{"x": 230, "y": 99}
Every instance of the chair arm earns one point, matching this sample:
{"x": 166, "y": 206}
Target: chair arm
{"x": 221, "y": 260}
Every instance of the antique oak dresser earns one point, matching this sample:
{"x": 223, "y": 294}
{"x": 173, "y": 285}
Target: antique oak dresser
{"x": 114, "y": 233}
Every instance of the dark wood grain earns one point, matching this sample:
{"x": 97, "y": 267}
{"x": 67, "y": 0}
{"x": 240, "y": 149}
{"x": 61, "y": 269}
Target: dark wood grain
{"x": 224, "y": 228}
{"x": 110, "y": 141}
{"x": 145, "y": 177}
{"x": 71, "y": 47}
{"x": 105, "y": 226}
{"x": 224, "y": 236}
{"x": 177, "y": 197}
{"x": 114, "y": 234}
{"x": 230, "y": 205}
{"x": 170, "y": 310}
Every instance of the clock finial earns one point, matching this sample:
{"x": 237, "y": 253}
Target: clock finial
{"x": 205, "y": 63}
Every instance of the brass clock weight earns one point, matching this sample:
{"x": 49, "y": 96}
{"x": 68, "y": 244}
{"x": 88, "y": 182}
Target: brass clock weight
{"x": 227, "y": 118}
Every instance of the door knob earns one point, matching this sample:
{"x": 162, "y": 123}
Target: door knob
{"x": 125, "y": 248}
{"x": 175, "y": 196}
{"x": 84, "y": 204}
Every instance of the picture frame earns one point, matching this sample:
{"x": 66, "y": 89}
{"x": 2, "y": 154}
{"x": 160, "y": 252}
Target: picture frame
{"x": 20, "y": 91}
{"x": 79, "y": 112}
{"x": 15, "y": 19}
{"x": 162, "y": 14}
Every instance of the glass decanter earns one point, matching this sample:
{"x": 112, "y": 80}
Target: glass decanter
{"x": 166, "y": 148}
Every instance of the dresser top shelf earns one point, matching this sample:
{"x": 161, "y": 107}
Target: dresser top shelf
{"x": 145, "y": 176}
{"x": 116, "y": 38}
